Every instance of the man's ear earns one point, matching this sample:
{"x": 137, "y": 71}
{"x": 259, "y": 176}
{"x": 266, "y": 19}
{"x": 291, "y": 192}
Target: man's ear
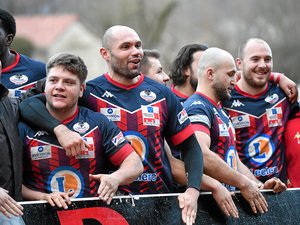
{"x": 82, "y": 88}
{"x": 239, "y": 63}
{"x": 104, "y": 53}
{"x": 9, "y": 39}
{"x": 210, "y": 73}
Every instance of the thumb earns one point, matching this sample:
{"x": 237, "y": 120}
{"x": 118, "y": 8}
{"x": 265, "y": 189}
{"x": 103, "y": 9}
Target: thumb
{"x": 181, "y": 201}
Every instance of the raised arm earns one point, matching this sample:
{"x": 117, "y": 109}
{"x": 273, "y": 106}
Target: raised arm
{"x": 34, "y": 112}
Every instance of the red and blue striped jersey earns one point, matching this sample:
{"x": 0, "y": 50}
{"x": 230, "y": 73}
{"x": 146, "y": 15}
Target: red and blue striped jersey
{"x": 22, "y": 74}
{"x": 47, "y": 168}
{"x": 209, "y": 117}
{"x": 147, "y": 113}
{"x": 259, "y": 122}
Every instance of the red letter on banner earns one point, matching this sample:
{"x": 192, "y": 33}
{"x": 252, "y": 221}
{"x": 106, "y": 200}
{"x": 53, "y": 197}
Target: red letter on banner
{"x": 105, "y": 216}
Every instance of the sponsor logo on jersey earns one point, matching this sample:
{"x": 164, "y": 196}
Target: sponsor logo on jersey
{"x": 40, "y": 152}
{"x": 182, "y": 116}
{"x": 274, "y": 116}
{"x": 241, "y": 121}
{"x": 15, "y": 93}
{"x": 66, "y": 179}
{"x": 139, "y": 143}
{"x": 151, "y": 115}
{"x": 81, "y": 127}
{"x": 118, "y": 139}
{"x": 40, "y": 133}
{"x": 87, "y": 153}
{"x": 113, "y": 114}
{"x": 200, "y": 119}
{"x": 147, "y": 177}
{"x": 231, "y": 157}
{"x": 107, "y": 94}
{"x": 237, "y": 103}
{"x": 223, "y": 130}
{"x": 272, "y": 98}
{"x": 297, "y": 136}
{"x": 267, "y": 171}
{"x": 148, "y": 95}
{"x": 197, "y": 103}
{"x": 19, "y": 79}
{"x": 260, "y": 149}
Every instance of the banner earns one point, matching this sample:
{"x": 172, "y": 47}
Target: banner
{"x": 284, "y": 208}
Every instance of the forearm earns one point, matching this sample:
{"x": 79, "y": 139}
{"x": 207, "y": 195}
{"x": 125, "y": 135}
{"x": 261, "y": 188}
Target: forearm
{"x": 34, "y": 112}
{"x": 129, "y": 170}
{"x": 245, "y": 170}
{"x": 193, "y": 161}
{"x": 32, "y": 195}
{"x": 218, "y": 169}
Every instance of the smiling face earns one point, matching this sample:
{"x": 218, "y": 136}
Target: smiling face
{"x": 124, "y": 52}
{"x": 62, "y": 91}
{"x": 256, "y": 64}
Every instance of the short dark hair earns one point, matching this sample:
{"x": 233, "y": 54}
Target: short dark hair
{"x": 70, "y": 62}
{"x": 8, "y": 22}
{"x": 184, "y": 59}
{"x": 145, "y": 63}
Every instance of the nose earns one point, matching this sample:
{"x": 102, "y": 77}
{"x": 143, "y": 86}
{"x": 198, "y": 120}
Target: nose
{"x": 166, "y": 77}
{"x": 262, "y": 63}
{"x": 59, "y": 85}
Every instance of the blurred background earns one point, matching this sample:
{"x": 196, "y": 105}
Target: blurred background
{"x": 46, "y": 27}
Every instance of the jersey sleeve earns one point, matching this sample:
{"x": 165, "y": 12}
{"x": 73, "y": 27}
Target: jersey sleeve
{"x": 178, "y": 127}
{"x": 199, "y": 116}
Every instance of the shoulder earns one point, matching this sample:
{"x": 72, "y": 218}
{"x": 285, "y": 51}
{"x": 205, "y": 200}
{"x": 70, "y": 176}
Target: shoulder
{"x": 32, "y": 63}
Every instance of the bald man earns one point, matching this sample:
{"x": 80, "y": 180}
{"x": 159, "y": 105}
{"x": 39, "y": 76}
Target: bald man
{"x": 259, "y": 111}
{"x": 215, "y": 132}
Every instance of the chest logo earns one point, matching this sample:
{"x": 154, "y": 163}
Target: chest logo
{"x": 81, "y": 127}
{"x": 273, "y": 98}
{"x": 148, "y": 95}
{"x": 113, "y": 114}
{"x": 260, "y": 149}
{"x": 151, "y": 115}
{"x": 19, "y": 79}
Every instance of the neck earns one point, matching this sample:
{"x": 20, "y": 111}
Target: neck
{"x": 7, "y": 58}
{"x": 61, "y": 114}
{"x": 185, "y": 89}
{"x": 121, "y": 79}
{"x": 208, "y": 91}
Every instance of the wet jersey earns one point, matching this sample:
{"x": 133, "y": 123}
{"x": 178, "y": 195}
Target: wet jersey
{"x": 259, "y": 123}
{"x": 22, "y": 74}
{"x": 147, "y": 112}
{"x": 47, "y": 168}
{"x": 208, "y": 117}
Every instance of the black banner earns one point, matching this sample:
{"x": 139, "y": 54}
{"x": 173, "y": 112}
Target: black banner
{"x": 284, "y": 209}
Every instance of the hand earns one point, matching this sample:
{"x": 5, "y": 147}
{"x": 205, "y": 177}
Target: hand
{"x": 188, "y": 202}
{"x": 276, "y": 184}
{"x": 289, "y": 87}
{"x": 71, "y": 141}
{"x": 60, "y": 199}
{"x": 224, "y": 200}
{"x": 8, "y": 205}
{"x": 108, "y": 186}
{"x": 253, "y": 196}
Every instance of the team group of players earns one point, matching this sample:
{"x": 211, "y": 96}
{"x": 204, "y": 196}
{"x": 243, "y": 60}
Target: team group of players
{"x": 234, "y": 131}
